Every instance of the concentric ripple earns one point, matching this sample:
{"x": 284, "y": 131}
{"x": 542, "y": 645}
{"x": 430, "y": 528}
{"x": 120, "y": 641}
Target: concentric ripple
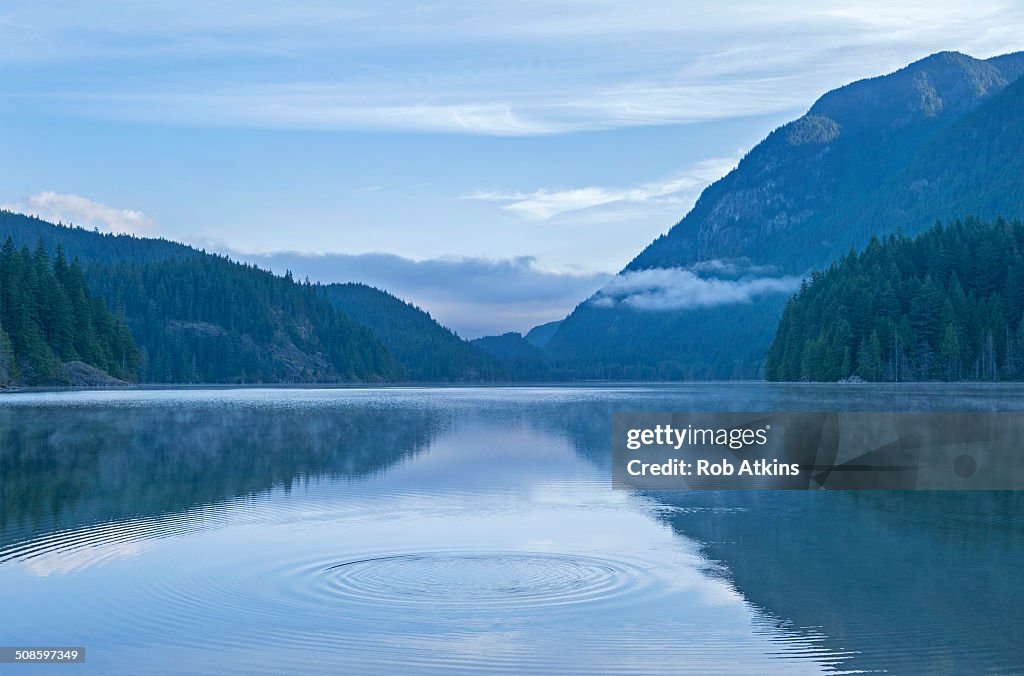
{"x": 479, "y": 580}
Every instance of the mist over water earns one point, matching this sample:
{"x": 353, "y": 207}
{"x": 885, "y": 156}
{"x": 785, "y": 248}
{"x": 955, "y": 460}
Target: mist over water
{"x": 446, "y": 530}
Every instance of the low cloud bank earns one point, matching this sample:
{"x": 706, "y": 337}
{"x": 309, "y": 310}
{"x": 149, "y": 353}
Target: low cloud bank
{"x": 662, "y": 289}
{"x": 473, "y": 296}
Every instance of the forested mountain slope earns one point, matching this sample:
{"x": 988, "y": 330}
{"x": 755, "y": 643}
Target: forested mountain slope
{"x": 946, "y": 304}
{"x": 49, "y": 319}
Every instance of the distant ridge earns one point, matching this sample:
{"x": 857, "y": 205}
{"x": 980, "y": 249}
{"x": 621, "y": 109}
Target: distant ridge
{"x": 201, "y": 318}
{"x": 541, "y": 335}
{"x": 522, "y": 359}
{"x": 428, "y": 351}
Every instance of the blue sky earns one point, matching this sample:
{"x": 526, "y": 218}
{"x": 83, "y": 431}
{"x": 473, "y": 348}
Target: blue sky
{"x": 531, "y": 147}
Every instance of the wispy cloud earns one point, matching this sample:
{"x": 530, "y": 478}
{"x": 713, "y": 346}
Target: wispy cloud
{"x": 78, "y": 210}
{"x": 493, "y": 68}
{"x": 677, "y": 289}
{"x": 545, "y": 203}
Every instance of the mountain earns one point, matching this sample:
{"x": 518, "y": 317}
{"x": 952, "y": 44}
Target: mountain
{"x": 853, "y": 141}
{"x": 198, "y": 317}
{"x": 541, "y": 335}
{"x": 937, "y": 140}
{"x": 521, "y": 359}
{"x": 427, "y": 350}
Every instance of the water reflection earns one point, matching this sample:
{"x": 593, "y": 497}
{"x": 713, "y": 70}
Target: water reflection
{"x": 72, "y": 465}
{"x": 475, "y": 530}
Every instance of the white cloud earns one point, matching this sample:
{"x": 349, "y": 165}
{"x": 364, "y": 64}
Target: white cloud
{"x": 546, "y": 203}
{"x": 677, "y": 288}
{"x": 479, "y": 103}
{"x": 82, "y": 211}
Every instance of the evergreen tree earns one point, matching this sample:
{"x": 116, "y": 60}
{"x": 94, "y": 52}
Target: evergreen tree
{"x": 869, "y": 358}
{"x": 950, "y": 354}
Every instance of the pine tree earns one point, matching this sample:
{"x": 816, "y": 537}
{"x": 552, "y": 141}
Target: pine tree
{"x": 949, "y": 355}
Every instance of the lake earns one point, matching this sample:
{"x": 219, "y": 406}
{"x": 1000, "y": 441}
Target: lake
{"x": 440, "y": 530}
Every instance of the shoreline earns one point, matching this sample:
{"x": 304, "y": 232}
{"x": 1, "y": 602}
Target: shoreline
{"x": 578, "y": 384}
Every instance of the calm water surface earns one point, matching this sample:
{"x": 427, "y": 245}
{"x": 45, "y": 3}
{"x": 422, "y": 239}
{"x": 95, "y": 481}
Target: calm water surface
{"x": 444, "y": 530}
